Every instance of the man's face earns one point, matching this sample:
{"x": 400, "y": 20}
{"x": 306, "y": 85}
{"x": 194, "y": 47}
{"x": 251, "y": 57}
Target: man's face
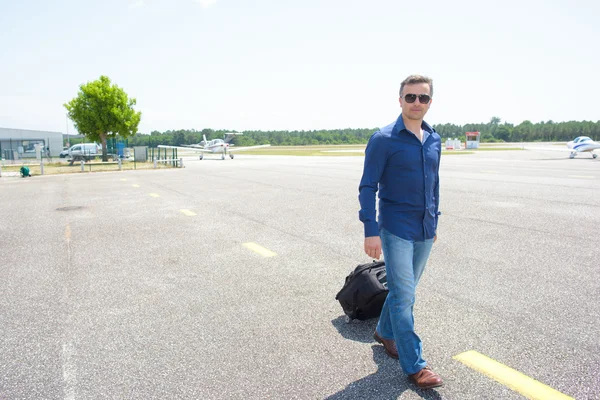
{"x": 415, "y": 110}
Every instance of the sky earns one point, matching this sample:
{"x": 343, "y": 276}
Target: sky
{"x": 300, "y": 65}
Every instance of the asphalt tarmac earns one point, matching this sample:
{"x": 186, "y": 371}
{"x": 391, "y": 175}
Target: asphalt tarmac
{"x": 142, "y": 285}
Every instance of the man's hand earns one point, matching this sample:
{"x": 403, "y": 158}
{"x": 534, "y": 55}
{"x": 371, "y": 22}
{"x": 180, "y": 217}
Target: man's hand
{"x": 373, "y": 247}
{"x": 434, "y": 238}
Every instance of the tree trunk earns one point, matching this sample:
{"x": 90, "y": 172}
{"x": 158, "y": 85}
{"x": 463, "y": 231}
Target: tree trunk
{"x": 104, "y": 149}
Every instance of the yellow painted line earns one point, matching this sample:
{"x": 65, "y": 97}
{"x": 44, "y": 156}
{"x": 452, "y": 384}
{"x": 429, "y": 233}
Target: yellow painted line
{"x": 188, "y": 213}
{"x": 259, "y": 249}
{"x": 68, "y": 232}
{"x": 528, "y": 387}
{"x": 153, "y": 195}
{"x": 123, "y": 179}
{"x": 581, "y": 176}
{"x": 135, "y": 185}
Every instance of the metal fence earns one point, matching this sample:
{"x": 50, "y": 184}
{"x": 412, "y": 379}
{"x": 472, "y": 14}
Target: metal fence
{"x": 142, "y": 159}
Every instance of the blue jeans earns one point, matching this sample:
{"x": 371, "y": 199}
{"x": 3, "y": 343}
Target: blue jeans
{"x": 404, "y": 264}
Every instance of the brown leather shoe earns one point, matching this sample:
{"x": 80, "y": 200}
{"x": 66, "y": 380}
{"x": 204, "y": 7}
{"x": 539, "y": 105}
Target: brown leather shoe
{"x": 388, "y": 344}
{"x": 426, "y": 379}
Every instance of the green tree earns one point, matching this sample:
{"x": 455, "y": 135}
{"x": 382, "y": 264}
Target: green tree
{"x": 102, "y": 110}
{"x": 179, "y": 138}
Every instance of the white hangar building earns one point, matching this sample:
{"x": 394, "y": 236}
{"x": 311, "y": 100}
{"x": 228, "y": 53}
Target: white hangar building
{"x": 16, "y": 144}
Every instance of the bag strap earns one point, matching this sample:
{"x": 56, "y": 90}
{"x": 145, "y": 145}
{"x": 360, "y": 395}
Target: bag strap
{"x": 365, "y": 267}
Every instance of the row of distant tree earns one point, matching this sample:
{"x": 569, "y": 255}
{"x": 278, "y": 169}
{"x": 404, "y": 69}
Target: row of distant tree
{"x": 103, "y": 113}
{"x": 493, "y": 131}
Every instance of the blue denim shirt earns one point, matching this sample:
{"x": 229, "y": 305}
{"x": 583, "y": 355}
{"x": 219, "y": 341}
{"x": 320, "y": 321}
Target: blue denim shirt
{"x": 406, "y": 173}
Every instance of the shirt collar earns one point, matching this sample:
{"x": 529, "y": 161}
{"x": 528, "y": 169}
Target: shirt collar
{"x": 399, "y": 127}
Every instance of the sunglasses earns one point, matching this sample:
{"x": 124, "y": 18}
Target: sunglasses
{"x": 423, "y": 98}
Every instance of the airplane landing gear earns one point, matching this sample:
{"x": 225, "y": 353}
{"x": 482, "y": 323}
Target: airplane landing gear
{"x": 201, "y": 156}
{"x": 572, "y": 155}
{"x": 231, "y": 156}
{"x": 595, "y": 155}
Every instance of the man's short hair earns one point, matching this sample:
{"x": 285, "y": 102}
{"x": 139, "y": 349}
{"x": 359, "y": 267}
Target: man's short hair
{"x": 412, "y": 79}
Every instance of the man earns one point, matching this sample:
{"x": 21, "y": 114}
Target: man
{"x": 402, "y": 163}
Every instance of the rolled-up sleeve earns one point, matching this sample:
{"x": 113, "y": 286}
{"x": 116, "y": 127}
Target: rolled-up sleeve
{"x": 375, "y": 159}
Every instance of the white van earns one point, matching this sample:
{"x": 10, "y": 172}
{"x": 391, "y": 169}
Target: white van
{"x": 84, "y": 151}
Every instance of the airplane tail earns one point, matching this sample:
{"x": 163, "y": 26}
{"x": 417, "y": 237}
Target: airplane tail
{"x": 230, "y": 135}
{"x": 204, "y": 142}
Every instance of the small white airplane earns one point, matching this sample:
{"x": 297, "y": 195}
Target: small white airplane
{"x": 580, "y": 144}
{"x": 215, "y": 146}
{"x": 583, "y": 144}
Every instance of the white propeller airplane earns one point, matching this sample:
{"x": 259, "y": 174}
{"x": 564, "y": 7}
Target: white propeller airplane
{"x": 215, "y": 146}
{"x": 583, "y": 144}
{"x": 580, "y": 144}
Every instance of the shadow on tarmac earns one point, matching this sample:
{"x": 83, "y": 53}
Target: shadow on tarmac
{"x": 382, "y": 384}
{"x": 359, "y": 331}
{"x": 583, "y": 158}
{"x": 388, "y": 382}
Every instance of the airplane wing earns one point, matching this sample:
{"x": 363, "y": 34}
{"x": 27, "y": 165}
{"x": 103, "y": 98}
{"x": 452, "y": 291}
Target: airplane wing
{"x": 199, "y": 149}
{"x": 232, "y": 149}
{"x": 559, "y": 149}
{"x": 570, "y": 152}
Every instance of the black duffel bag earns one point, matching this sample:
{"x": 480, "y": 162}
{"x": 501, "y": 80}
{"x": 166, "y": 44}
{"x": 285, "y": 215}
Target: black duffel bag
{"x": 364, "y": 291}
